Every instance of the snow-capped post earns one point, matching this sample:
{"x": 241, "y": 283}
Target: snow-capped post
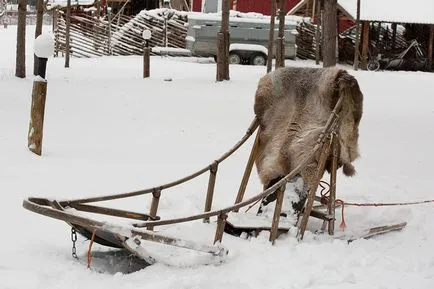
{"x": 146, "y": 34}
{"x": 43, "y": 48}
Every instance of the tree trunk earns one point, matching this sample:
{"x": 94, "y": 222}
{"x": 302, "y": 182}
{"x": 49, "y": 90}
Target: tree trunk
{"x": 280, "y": 45}
{"x": 223, "y": 39}
{"x": 271, "y": 36}
{"x": 330, "y": 34}
{"x": 20, "y": 65}
{"x": 36, "y": 126}
{"x": 318, "y": 32}
{"x": 38, "y": 31}
{"x": 67, "y": 36}
{"x": 357, "y": 45}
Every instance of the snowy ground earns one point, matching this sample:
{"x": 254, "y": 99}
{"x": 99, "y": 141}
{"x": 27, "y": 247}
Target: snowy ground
{"x": 107, "y": 130}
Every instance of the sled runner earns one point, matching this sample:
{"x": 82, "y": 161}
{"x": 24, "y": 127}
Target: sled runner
{"x": 321, "y": 150}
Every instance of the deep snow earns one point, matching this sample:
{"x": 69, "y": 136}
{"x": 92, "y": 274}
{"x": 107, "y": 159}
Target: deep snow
{"x": 107, "y": 130}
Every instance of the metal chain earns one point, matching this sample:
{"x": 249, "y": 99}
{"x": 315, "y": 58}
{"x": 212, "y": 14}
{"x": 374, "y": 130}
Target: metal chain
{"x": 74, "y": 239}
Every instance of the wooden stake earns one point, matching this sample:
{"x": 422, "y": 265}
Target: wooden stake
{"x": 356, "y": 47}
{"x": 20, "y": 63}
{"x": 37, "y": 112}
{"x": 365, "y": 44}
{"x": 154, "y": 206}
{"x": 210, "y": 191}
{"x": 271, "y": 36}
{"x": 221, "y": 222}
{"x": 318, "y": 33}
{"x": 38, "y": 31}
{"x": 67, "y": 36}
{"x": 276, "y": 217}
{"x": 146, "y": 60}
{"x": 312, "y": 190}
{"x": 333, "y": 173}
{"x": 248, "y": 170}
{"x": 280, "y": 43}
{"x": 223, "y": 40}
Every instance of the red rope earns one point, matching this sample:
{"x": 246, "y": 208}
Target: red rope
{"x": 89, "y": 255}
{"x": 325, "y": 192}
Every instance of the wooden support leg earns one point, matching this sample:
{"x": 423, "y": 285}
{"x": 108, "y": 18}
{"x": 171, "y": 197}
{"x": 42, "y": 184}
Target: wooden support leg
{"x": 221, "y": 221}
{"x": 332, "y": 197}
{"x": 248, "y": 170}
{"x": 276, "y": 217}
{"x": 210, "y": 192}
{"x": 154, "y": 206}
{"x": 312, "y": 190}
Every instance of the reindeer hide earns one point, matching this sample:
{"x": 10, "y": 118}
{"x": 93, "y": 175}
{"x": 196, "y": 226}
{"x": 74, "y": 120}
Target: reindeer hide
{"x": 293, "y": 105}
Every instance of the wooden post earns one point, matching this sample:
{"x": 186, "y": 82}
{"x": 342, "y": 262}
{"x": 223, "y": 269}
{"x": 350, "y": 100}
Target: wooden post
{"x": 210, "y": 192}
{"x": 318, "y": 32}
{"x": 333, "y": 173}
{"x": 98, "y": 9}
{"x": 146, "y": 59}
{"x": 248, "y": 170}
{"x": 67, "y": 36}
{"x": 277, "y": 211}
{"x": 430, "y": 47}
{"x": 312, "y": 190}
{"x": 394, "y": 26}
{"x": 270, "y": 55}
{"x": 154, "y": 206}
{"x": 223, "y": 39}
{"x": 357, "y": 45}
{"x": 38, "y": 31}
{"x": 37, "y": 112}
{"x": 329, "y": 31}
{"x": 280, "y": 43}
{"x": 365, "y": 44}
{"x": 20, "y": 65}
{"x": 221, "y": 222}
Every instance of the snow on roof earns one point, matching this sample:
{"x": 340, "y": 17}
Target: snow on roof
{"x": 414, "y": 11}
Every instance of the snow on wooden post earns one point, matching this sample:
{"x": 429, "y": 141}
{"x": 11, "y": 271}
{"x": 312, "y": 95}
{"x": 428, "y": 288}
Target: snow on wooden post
{"x": 146, "y": 34}
{"x": 280, "y": 45}
{"x": 271, "y": 36}
{"x": 44, "y": 48}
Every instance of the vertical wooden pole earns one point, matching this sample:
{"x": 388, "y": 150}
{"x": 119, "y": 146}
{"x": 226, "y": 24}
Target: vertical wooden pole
{"x": 154, "y": 206}
{"x": 333, "y": 173}
{"x": 280, "y": 44}
{"x": 357, "y": 45}
{"x": 329, "y": 56}
{"x": 38, "y": 30}
{"x": 146, "y": 59}
{"x": 394, "y": 26}
{"x": 20, "y": 65}
{"x": 223, "y": 39}
{"x": 365, "y": 44}
{"x": 430, "y": 47}
{"x": 312, "y": 190}
{"x": 252, "y": 157}
{"x": 98, "y": 9}
{"x": 221, "y": 222}
{"x": 67, "y": 36}
{"x": 210, "y": 192}
{"x": 36, "y": 126}
{"x": 271, "y": 36}
{"x": 276, "y": 216}
{"x": 318, "y": 32}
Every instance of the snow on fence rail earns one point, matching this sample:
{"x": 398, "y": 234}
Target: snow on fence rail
{"x": 90, "y": 37}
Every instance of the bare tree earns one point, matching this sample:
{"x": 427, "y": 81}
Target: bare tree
{"x": 20, "y": 65}
{"x": 330, "y": 33}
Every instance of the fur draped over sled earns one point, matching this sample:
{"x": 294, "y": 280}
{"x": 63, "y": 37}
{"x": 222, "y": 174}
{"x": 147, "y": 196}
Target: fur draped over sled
{"x": 293, "y": 105}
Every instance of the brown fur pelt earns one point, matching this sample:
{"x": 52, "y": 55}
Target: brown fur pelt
{"x": 293, "y": 105}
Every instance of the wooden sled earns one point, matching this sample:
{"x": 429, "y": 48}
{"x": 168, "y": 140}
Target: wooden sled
{"x": 131, "y": 237}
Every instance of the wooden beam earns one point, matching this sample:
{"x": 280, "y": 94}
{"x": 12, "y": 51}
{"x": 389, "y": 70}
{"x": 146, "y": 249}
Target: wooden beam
{"x": 365, "y": 44}
{"x": 210, "y": 192}
{"x": 276, "y": 217}
{"x": 271, "y": 36}
{"x": 357, "y": 45}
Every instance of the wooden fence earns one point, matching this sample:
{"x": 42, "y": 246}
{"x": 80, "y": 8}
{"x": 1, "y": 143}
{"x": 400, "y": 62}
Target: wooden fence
{"x": 119, "y": 34}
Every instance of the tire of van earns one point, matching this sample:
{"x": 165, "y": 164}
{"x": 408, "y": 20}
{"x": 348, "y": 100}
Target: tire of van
{"x": 234, "y": 58}
{"x": 259, "y": 59}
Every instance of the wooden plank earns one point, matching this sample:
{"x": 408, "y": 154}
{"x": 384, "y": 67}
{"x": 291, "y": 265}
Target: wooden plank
{"x": 210, "y": 191}
{"x": 365, "y": 44}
